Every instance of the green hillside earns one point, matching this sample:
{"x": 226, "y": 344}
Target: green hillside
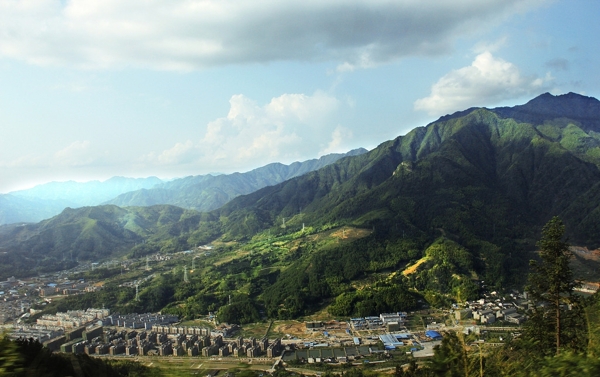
{"x": 493, "y": 175}
{"x": 89, "y": 234}
{"x": 464, "y": 197}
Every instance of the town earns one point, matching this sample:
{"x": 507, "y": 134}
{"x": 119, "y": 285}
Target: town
{"x": 97, "y": 332}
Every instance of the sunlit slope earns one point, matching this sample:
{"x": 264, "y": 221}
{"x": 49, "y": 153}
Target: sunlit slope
{"x": 477, "y": 174}
{"x": 487, "y": 179}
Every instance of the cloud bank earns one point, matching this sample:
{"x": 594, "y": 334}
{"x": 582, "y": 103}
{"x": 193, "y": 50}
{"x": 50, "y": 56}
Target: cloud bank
{"x": 287, "y": 128}
{"x": 488, "y": 80}
{"x": 192, "y": 34}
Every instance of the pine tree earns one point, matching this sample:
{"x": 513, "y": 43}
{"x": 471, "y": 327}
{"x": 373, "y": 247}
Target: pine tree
{"x": 551, "y": 285}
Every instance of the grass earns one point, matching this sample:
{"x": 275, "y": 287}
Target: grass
{"x": 256, "y": 330}
{"x": 198, "y": 323}
{"x": 412, "y": 269}
{"x": 231, "y": 256}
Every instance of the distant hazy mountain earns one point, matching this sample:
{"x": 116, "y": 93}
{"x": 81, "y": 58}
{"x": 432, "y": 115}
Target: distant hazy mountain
{"x": 201, "y": 192}
{"x": 15, "y": 209}
{"x": 80, "y": 194}
{"x": 47, "y": 200}
{"x": 208, "y": 192}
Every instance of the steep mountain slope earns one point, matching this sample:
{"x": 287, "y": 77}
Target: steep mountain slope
{"x": 479, "y": 173}
{"x": 208, "y": 192}
{"x": 483, "y": 180}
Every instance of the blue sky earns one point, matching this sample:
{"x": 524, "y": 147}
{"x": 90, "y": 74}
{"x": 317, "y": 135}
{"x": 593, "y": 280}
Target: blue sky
{"x": 170, "y": 88}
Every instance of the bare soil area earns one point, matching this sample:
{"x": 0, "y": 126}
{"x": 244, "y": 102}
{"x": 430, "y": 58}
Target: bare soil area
{"x": 294, "y": 329}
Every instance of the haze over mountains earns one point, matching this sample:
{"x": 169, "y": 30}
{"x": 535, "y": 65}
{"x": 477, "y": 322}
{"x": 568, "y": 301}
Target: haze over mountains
{"x": 47, "y": 200}
{"x": 201, "y": 192}
{"x": 208, "y": 192}
{"x": 488, "y": 179}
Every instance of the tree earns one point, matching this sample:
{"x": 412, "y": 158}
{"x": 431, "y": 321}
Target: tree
{"x": 451, "y": 358}
{"x": 10, "y": 358}
{"x": 551, "y": 283}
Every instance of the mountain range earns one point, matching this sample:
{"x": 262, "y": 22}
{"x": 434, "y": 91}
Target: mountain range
{"x": 201, "y": 192}
{"x": 208, "y": 192}
{"x": 484, "y": 179}
{"x": 47, "y": 200}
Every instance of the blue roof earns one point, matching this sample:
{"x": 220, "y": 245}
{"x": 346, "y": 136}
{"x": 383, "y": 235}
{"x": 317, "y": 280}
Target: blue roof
{"x": 433, "y": 334}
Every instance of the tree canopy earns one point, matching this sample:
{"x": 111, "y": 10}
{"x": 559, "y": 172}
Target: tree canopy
{"x": 551, "y": 285}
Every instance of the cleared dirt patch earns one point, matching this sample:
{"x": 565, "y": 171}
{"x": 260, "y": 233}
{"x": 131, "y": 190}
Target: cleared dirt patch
{"x": 297, "y": 329}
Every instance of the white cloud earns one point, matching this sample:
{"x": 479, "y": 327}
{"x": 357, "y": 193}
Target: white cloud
{"x": 180, "y": 153}
{"x": 27, "y": 161}
{"x": 191, "y": 34}
{"x": 488, "y": 80}
{"x": 338, "y": 137}
{"x": 287, "y": 128}
{"x": 76, "y": 154}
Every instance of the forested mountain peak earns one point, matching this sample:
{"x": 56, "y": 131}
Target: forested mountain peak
{"x": 547, "y": 106}
{"x": 476, "y": 156}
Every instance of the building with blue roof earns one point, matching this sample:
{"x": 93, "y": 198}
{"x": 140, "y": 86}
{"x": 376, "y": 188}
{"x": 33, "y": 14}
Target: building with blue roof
{"x": 433, "y": 334}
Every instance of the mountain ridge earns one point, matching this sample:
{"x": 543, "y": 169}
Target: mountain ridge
{"x": 49, "y": 199}
{"x": 208, "y": 192}
{"x": 201, "y": 192}
{"x": 522, "y": 138}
